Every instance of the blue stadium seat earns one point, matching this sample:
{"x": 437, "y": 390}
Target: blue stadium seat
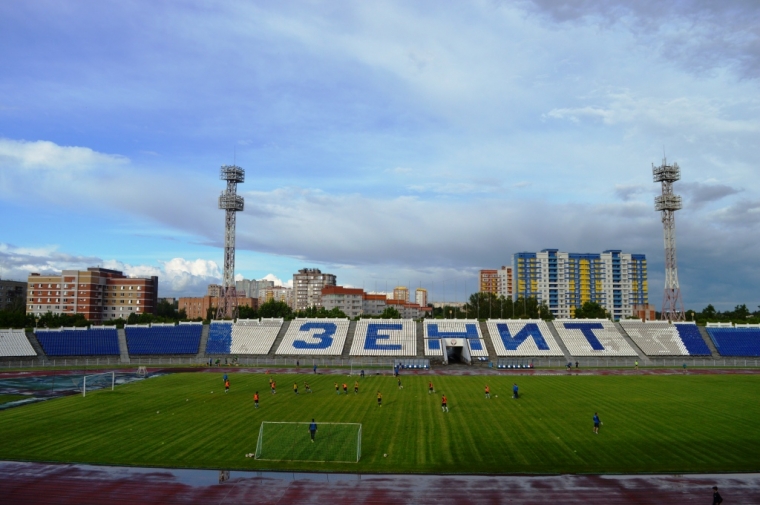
{"x": 92, "y": 342}
{"x": 181, "y": 339}
{"x": 736, "y": 341}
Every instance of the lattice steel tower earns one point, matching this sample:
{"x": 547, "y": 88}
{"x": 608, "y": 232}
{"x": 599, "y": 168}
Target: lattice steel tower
{"x": 230, "y": 202}
{"x": 668, "y": 204}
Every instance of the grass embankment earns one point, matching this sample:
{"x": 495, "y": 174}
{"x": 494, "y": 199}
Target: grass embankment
{"x": 677, "y": 423}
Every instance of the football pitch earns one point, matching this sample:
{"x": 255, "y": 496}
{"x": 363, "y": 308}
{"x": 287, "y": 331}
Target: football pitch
{"x": 651, "y": 423}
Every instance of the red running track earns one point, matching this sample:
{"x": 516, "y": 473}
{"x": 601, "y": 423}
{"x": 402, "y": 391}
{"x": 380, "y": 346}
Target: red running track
{"x": 37, "y": 483}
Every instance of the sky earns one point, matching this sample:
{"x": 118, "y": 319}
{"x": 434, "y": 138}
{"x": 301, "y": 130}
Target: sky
{"x": 388, "y": 143}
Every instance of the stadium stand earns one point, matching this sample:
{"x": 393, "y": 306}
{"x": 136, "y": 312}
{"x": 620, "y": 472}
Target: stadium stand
{"x": 13, "y": 343}
{"x": 660, "y": 338}
{"x": 592, "y": 337}
{"x": 735, "y": 341}
{"x": 254, "y": 337}
{"x": 219, "y": 337}
{"x": 79, "y": 342}
{"x": 184, "y": 338}
{"x": 457, "y": 328}
{"x": 530, "y": 337}
{"x": 433, "y": 347}
{"x": 385, "y": 337}
{"x": 323, "y": 337}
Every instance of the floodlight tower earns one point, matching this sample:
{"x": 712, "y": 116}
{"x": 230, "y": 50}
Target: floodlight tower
{"x": 230, "y": 202}
{"x": 668, "y": 204}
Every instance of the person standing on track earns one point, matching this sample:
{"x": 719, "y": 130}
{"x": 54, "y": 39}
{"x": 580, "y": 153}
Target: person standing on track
{"x": 312, "y": 429}
{"x": 444, "y": 403}
{"x": 717, "y": 498}
{"x": 315, "y": 368}
{"x": 597, "y": 422}
{"x": 256, "y": 400}
{"x": 379, "y": 399}
{"x": 488, "y": 392}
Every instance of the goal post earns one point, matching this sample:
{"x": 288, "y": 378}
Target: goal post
{"x": 99, "y": 381}
{"x": 333, "y": 442}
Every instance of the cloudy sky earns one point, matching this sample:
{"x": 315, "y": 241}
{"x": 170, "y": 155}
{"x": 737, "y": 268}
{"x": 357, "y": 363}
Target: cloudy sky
{"x": 386, "y": 142}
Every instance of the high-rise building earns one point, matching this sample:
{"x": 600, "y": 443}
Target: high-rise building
{"x": 97, "y": 293}
{"x": 401, "y": 293}
{"x": 498, "y": 282}
{"x": 214, "y": 290}
{"x": 564, "y": 281}
{"x": 348, "y": 300}
{"x": 276, "y": 293}
{"x": 307, "y": 285}
{"x": 198, "y": 306}
{"x": 421, "y": 297}
{"x": 253, "y": 288}
{"x": 12, "y": 293}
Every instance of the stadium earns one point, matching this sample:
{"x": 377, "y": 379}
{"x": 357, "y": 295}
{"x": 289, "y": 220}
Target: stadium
{"x": 153, "y": 397}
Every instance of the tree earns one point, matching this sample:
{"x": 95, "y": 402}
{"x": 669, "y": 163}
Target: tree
{"x": 708, "y": 312}
{"x": 246, "y": 312}
{"x": 274, "y": 308}
{"x": 390, "y": 312}
{"x": 166, "y": 310}
{"x": 591, "y": 310}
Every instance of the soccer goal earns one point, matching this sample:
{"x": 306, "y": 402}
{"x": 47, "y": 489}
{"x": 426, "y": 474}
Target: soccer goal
{"x": 333, "y": 442}
{"x": 98, "y": 381}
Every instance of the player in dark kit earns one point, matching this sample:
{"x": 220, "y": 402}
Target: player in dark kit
{"x": 597, "y": 422}
{"x": 399, "y": 383}
{"x": 306, "y": 387}
{"x": 312, "y": 429}
{"x": 515, "y": 393}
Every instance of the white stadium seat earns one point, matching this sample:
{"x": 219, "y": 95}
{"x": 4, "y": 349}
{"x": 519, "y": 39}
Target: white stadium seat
{"x": 14, "y": 343}
{"x": 525, "y": 337}
{"x": 385, "y": 337}
{"x": 456, "y": 328}
{"x": 592, "y": 337}
{"x": 253, "y": 336}
{"x": 318, "y": 337}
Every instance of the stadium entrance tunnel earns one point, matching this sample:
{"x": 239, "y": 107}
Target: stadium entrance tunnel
{"x": 456, "y": 350}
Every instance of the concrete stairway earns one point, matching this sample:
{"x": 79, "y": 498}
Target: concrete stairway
{"x": 489, "y": 342}
{"x": 204, "y": 341}
{"x": 123, "y": 349}
{"x": 709, "y": 342}
{"x": 420, "y": 339}
{"x": 346, "y": 354}
{"x": 642, "y": 356}
{"x": 278, "y": 340}
{"x": 561, "y": 343}
{"x": 35, "y": 344}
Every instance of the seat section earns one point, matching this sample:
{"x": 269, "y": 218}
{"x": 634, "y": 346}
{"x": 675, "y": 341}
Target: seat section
{"x": 457, "y": 328}
{"x": 219, "y": 337}
{"x": 531, "y": 337}
{"x": 318, "y": 337}
{"x": 660, "y": 338}
{"x": 13, "y": 343}
{"x": 692, "y": 339}
{"x": 163, "y": 339}
{"x": 253, "y": 336}
{"x": 742, "y": 341}
{"x": 80, "y": 342}
{"x": 385, "y": 337}
{"x": 433, "y": 347}
{"x": 592, "y": 337}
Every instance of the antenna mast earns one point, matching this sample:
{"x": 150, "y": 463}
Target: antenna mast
{"x": 668, "y": 204}
{"x": 230, "y": 202}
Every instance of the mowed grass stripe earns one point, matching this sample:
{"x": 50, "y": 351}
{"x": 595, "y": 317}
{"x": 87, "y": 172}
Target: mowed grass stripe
{"x": 651, "y": 423}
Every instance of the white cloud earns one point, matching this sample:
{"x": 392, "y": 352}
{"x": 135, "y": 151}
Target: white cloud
{"x": 46, "y": 155}
{"x": 277, "y": 281}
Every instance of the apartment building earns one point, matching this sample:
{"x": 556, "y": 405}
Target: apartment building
{"x": 10, "y": 292}
{"x": 421, "y": 297}
{"x": 307, "y": 287}
{"x": 99, "y": 294}
{"x": 197, "y": 307}
{"x": 564, "y": 281}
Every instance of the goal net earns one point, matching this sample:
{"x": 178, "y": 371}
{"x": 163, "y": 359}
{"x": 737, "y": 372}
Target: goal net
{"x": 333, "y": 442}
{"x": 98, "y": 381}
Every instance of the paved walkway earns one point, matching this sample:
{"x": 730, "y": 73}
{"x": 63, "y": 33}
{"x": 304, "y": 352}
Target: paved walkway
{"x": 36, "y": 483}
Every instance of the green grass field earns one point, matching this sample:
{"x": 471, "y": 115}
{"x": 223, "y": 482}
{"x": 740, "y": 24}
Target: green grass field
{"x": 678, "y": 423}
{"x": 10, "y": 398}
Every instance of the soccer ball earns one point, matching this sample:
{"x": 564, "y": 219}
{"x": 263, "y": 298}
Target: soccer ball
{"x": 385, "y": 455}
{"x": 156, "y": 412}
{"x": 496, "y": 396}
{"x": 212, "y": 392}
